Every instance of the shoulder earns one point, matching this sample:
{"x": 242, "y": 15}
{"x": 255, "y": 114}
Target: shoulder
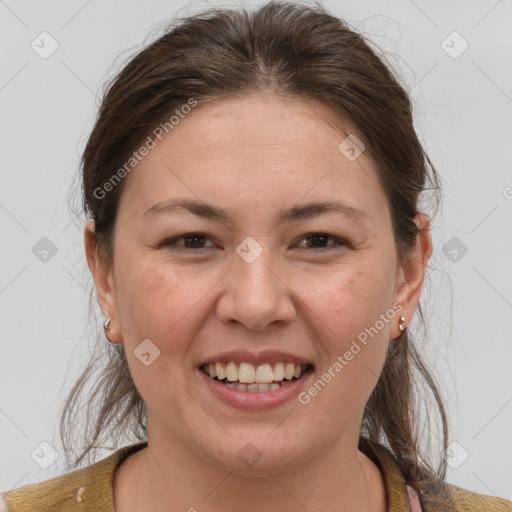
{"x": 72, "y": 491}
{"x": 444, "y": 497}
{"x": 81, "y": 490}
{"x": 468, "y": 501}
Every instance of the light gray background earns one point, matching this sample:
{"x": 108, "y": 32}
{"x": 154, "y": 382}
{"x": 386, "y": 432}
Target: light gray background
{"x": 463, "y": 112}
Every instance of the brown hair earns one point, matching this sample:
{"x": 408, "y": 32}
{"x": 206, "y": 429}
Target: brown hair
{"x": 288, "y": 49}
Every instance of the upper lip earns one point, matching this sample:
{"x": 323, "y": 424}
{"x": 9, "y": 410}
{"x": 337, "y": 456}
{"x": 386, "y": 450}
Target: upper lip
{"x": 267, "y": 356}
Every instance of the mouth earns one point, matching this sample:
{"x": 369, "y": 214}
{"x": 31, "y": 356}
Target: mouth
{"x": 250, "y": 378}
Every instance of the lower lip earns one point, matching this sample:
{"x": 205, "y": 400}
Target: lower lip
{"x": 260, "y": 400}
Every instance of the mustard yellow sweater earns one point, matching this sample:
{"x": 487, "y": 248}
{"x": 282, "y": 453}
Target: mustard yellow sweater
{"x": 90, "y": 489}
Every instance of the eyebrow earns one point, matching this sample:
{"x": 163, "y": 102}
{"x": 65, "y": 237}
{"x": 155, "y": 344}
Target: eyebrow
{"x": 294, "y": 213}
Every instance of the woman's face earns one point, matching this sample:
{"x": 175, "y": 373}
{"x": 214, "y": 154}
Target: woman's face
{"x": 256, "y": 281}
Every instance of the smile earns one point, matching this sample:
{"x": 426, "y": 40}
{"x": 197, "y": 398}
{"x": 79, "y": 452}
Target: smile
{"x": 256, "y": 387}
{"x": 253, "y": 379}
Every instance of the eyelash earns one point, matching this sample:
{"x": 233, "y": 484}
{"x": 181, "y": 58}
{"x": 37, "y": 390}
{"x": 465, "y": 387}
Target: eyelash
{"x": 171, "y": 242}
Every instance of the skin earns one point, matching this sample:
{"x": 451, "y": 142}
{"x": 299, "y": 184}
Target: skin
{"x": 253, "y": 156}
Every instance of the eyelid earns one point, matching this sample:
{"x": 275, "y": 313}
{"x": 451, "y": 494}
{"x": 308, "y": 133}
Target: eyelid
{"x": 171, "y": 242}
{"x": 339, "y": 241}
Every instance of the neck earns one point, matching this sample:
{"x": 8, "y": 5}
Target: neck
{"x": 167, "y": 476}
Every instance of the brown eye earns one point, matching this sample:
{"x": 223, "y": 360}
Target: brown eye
{"x": 320, "y": 241}
{"x": 188, "y": 241}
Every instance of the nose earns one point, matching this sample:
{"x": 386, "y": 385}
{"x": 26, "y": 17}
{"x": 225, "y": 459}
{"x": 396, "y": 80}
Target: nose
{"x": 256, "y": 295}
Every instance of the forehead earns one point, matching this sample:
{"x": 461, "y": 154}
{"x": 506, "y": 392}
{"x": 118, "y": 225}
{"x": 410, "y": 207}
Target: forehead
{"x": 263, "y": 148}
{"x": 262, "y": 123}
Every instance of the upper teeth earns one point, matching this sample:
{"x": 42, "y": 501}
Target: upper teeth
{"x": 249, "y": 374}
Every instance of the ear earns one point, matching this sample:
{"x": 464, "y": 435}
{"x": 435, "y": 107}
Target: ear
{"x": 104, "y": 281}
{"x": 412, "y": 274}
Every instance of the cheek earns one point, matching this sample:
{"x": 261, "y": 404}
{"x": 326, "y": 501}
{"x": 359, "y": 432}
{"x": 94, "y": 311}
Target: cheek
{"x": 348, "y": 301}
{"x": 356, "y": 313}
{"x": 162, "y": 301}
{"x": 147, "y": 298}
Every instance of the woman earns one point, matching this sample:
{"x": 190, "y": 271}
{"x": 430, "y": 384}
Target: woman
{"x": 252, "y": 183}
